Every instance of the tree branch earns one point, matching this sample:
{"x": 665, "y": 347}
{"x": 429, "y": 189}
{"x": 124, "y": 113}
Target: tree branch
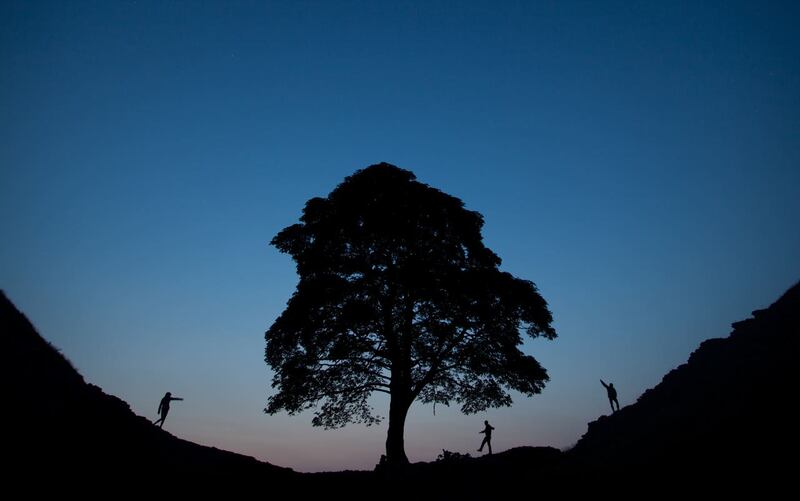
{"x": 437, "y": 360}
{"x": 356, "y": 369}
{"x": 358, "y": 389}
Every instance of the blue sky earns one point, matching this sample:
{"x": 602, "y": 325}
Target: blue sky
{"x": 639, "y": 161}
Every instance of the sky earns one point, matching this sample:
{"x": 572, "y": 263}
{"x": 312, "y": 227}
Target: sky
{"x": 638, "y": 161}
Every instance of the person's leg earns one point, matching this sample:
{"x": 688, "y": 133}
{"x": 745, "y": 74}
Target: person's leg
{"x": 610, "y": 401}
{"x": 482, "y": 444}
{"x": 489, "y": 443}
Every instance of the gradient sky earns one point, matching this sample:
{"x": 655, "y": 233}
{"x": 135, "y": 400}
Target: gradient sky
{"x": 639, "y": 161}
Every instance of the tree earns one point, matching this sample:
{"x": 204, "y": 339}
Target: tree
{"x": 398, "y": 294}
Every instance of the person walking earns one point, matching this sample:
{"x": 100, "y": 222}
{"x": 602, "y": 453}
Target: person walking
{"x": 163, "y": 408}
{"x": 487, "y": 439}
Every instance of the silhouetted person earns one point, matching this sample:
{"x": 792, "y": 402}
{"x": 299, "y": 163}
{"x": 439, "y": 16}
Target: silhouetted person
{"x": 612, "y": 395}
{"x": 163, "y": 408}
{"x": 487, "y": 440}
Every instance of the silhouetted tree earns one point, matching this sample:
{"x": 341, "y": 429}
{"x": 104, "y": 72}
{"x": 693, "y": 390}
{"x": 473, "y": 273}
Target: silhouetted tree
{"x": 398, "y": 294}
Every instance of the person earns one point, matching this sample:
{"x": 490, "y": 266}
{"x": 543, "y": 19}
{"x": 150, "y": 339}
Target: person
{"x": 612, "y": 395}
{"x": 163, "y": 408}
{"x": 487, "y": 440}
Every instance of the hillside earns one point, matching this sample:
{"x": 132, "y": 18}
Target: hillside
{"x": 720, "y": 421}
{"x": 724, "y": 414}
{"x": 59, "y": 424}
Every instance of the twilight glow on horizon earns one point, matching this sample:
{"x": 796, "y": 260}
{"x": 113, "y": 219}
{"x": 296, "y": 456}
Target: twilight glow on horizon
{"x": 638, "y": 161}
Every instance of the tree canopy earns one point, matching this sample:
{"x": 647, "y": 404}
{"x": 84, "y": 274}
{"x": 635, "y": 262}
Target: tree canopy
{"x": 398, "y": 294}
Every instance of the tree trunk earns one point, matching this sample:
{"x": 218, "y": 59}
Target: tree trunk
{"x": 399, "y": 387}
{"x": 395, "y": 444}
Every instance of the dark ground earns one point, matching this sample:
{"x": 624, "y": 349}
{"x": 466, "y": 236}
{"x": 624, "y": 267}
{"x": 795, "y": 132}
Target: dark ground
{"x": 721, "y": 423}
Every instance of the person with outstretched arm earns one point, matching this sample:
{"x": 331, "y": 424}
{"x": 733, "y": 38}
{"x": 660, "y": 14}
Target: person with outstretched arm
{"x": 487, "y": 440}
{"x": 163, "y": 408}
{"x": 612, "y": 395}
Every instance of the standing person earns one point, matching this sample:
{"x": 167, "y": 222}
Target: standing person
{"x": 163, "y": 408}
{"x": 612, "y": 395}
{"x": 487, "y": 440}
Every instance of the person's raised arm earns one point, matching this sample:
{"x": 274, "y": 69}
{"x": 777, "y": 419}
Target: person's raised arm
{"x": 175, "y": 398}
{"x": 604, "y": 385}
